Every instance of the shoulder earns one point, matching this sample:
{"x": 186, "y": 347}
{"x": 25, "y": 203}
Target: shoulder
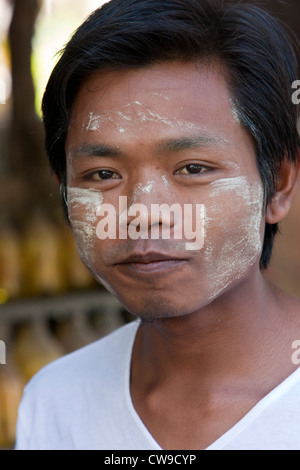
{"x": 99, "y": 356}
{"x": 60, "y": 401}
{"x": 90, "y": 371}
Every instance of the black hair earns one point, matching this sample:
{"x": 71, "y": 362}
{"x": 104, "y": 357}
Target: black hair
{"x": 254, "y": 47}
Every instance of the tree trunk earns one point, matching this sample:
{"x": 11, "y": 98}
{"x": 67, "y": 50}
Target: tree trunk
{"x": 27, "y": 159}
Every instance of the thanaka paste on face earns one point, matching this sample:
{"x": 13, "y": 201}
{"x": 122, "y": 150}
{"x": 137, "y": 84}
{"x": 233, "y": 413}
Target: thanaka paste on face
{"x": 122, "y": 120}
{"x": 230, "y": 262}
{"x": 243, "y": 247}
{"x": 165, "y": 180}
{"x": 222, "y": 264}
{"x": 82, "y": 206}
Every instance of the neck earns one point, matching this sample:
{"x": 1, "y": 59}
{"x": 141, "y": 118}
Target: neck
{"x": 225, "y": 337}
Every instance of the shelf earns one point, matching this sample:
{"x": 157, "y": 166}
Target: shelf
{"x": 59, "y": 305}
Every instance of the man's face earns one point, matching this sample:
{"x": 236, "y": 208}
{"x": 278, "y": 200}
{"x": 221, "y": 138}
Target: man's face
{"x": 168, "y": 134}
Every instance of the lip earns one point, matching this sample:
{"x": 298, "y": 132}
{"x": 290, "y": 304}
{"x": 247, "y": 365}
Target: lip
{"x": 151, "y": 263}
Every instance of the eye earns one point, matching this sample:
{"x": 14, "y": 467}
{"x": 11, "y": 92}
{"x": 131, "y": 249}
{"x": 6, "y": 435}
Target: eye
{"x": 192, "y": 169}
{"x": 105, "y": 175}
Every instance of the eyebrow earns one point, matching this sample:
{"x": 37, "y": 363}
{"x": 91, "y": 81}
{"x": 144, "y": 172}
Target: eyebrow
{"x": 167, "y": 145}
{"x": 183, "y": 143}
{"x": 96, "y": 150}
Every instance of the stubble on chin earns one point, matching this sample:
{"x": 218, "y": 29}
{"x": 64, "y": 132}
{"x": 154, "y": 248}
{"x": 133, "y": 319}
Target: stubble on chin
{"x": 156, "y": 308}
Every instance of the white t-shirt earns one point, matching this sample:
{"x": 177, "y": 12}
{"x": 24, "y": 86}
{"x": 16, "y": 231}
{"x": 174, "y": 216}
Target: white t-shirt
{"x": 82, "y": 401}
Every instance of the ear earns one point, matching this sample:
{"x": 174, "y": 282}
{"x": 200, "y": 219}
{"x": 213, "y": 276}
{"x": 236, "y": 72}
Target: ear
{"x": 279, "y": 206}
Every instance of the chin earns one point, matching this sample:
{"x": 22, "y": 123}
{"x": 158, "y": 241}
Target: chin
{"x": 156, "y": 300}
{"x": 154, "y": 308}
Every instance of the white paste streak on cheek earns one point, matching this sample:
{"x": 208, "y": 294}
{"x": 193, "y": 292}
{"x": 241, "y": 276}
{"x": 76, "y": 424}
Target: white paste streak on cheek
{"x": 85, "y": 239}
{"x": 239, "y": 184}
{"x": 89, "y": 198}
{"x": 82, "y": 205}
{"x": 243, "y": 239}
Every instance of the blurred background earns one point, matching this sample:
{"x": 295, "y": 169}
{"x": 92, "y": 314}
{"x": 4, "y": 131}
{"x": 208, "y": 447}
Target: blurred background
{"x": 49, "y": 304}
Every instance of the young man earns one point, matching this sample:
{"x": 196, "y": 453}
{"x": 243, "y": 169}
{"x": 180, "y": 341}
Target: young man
{"x": 152, "y": 104}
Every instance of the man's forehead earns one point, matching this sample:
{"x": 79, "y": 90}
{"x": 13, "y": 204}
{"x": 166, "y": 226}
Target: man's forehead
{"x": 159, "y": 82}
{"x": 173, "y": 95}
{"x": 123, "y": 111}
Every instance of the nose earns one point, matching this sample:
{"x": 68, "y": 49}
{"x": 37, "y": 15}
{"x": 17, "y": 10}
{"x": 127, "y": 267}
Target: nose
{"x": 150, "y": 210}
